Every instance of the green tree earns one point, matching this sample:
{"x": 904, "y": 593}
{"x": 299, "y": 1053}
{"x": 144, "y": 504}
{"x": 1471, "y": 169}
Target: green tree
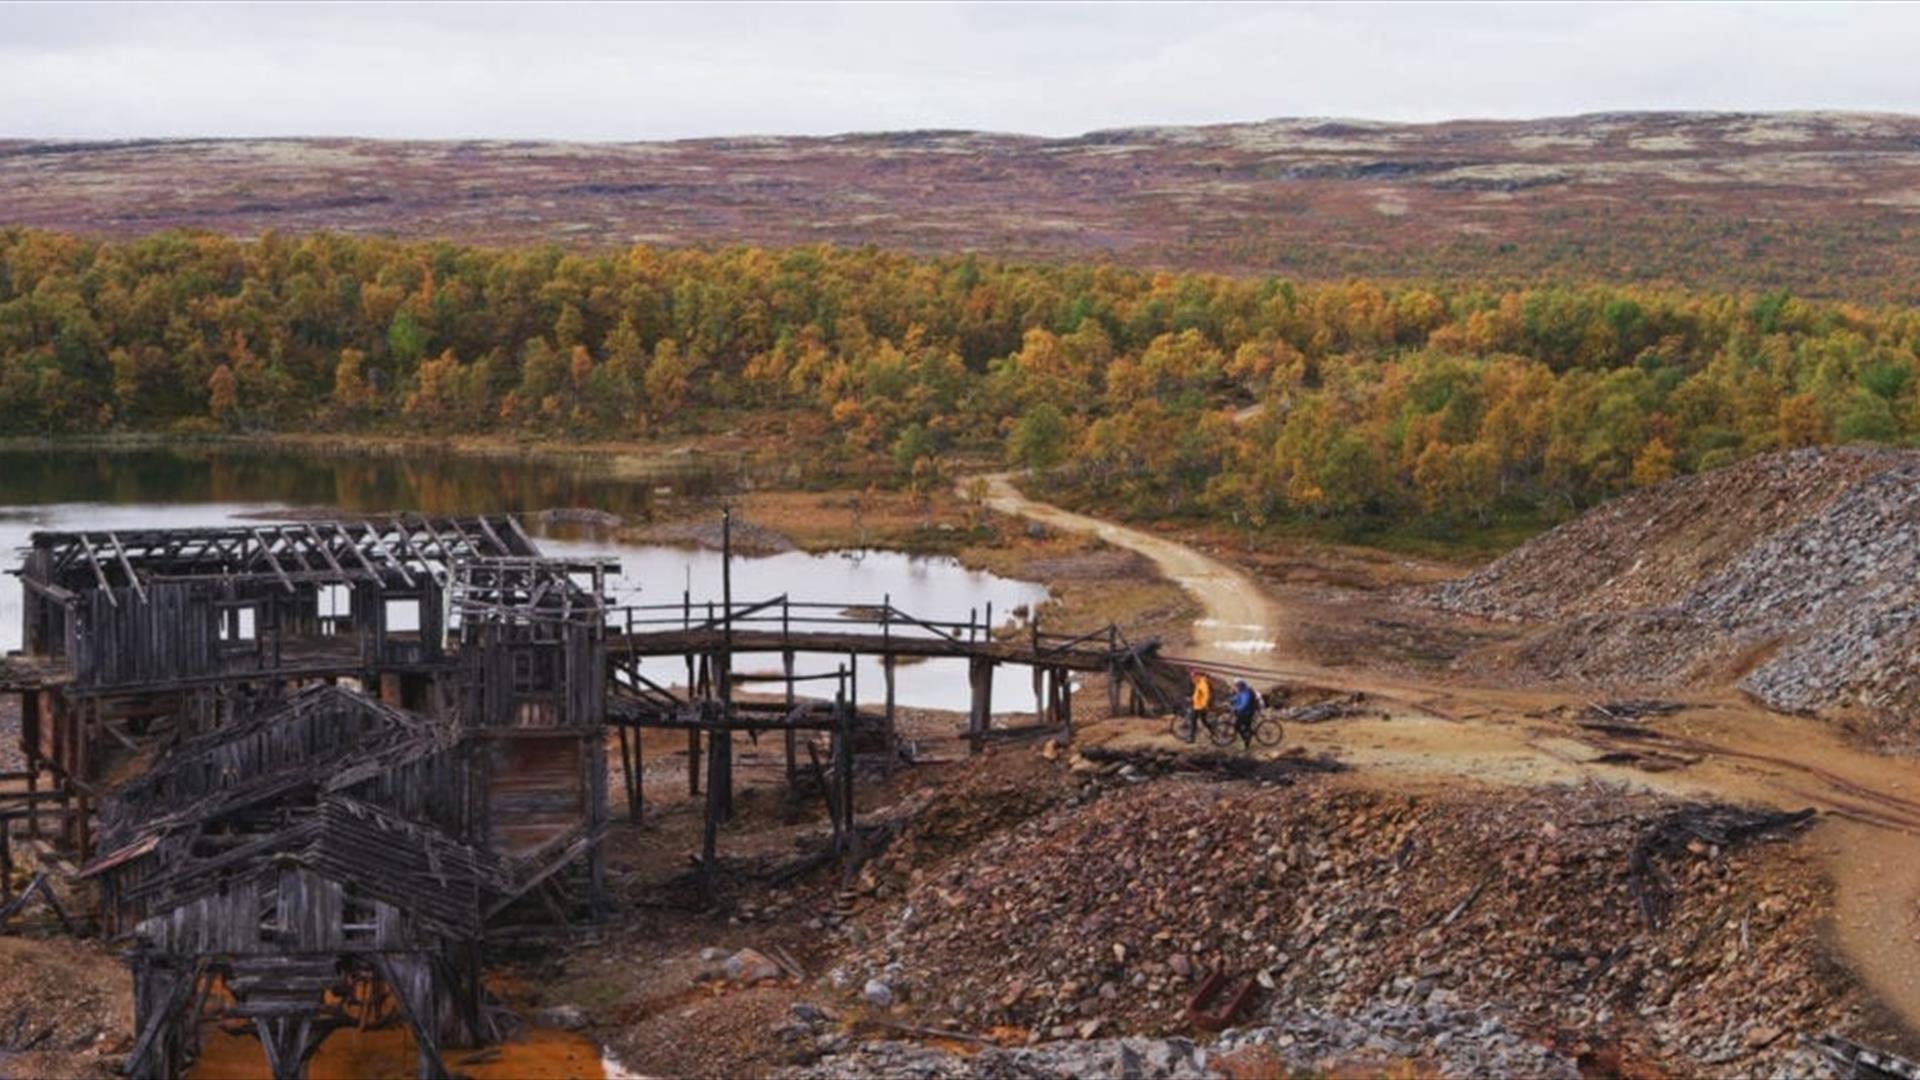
{"x": 1039, "y": 438}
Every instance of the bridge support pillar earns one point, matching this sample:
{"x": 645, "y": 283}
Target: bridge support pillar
{"x": 892, "y": 734}
{"x": 1063, "y": 683}
{"x": 693, "y": 762}
{"x": 786, "y": 664}
{"x": 626, "y": 764}
{"x": 980, "y": 710}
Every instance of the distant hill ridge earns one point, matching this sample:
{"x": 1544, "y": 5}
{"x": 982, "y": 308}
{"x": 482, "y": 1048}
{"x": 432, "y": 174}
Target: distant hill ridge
{"x": 1822, "y": 203}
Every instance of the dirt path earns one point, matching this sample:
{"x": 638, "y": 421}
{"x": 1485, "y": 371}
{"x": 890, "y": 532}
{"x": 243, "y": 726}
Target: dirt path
{"x": 1433, "y": 731}
{"x": 1239, "y": 621}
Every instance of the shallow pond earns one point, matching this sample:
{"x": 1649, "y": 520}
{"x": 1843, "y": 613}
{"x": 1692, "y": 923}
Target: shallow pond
{"x": 164, "y": 488}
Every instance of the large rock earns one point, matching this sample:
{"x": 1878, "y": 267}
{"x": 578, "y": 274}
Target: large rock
{"x": 751, "y": 966}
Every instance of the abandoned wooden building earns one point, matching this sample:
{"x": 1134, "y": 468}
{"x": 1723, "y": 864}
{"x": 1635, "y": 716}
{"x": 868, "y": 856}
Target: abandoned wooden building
{"x": 135, "y": 637}
{"x": 295, "y": 755}
{"x": 327, "y": 843}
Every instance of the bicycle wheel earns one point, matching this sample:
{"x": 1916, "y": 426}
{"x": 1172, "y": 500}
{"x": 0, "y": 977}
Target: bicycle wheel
{"x": 1181, "y": 727}
{"x": 1268, "y": 732}
{"x": 1220, "y": 730}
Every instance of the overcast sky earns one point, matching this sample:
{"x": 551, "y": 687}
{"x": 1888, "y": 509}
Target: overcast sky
{"x": 619, "y": 72}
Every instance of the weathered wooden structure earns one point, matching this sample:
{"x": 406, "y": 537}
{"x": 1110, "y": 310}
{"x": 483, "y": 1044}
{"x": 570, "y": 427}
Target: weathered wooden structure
{"x": 301, "y": 759}
{"x": 710, "y": 638}
{"x": 327, "y": 839}
{"x": 330, "y": 842}
{"x": 373, "y": 737}
{"x": 533, "y": 698}
{"x": 133, "y": 637}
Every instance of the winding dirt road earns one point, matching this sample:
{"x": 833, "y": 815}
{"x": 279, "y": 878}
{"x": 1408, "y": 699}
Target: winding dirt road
{"x": 1435, "y": 731}
{"x": 1240, "y": 623}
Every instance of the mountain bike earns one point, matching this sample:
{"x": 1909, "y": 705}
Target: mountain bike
{"x": 1223, "y": 731}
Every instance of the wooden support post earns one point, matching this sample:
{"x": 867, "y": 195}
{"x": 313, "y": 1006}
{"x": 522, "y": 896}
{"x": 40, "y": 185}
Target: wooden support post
{"x": 710, "y": 830}
{"x": 626, "y": 764}
{"x": 1065, "y": 679}
{"x": 693, "y": 696}
{"x": 6, "y": 861}
{"x": 845, "y": 723}
{"x": 980, "y": 715}
{"x": 786, "y": 664}
{"x": 84, "y": 719}
{"x": 827, "y": 789}
{"x": 1040, "y": 700}
{"x": 693, "y": 762}
{"x": 84, "y": 844}
{"x": 719, "y": 765}
{"x": 892, "y": 733}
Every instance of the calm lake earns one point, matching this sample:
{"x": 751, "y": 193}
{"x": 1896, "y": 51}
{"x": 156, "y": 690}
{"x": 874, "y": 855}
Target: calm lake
{"x": 74, "y": 489}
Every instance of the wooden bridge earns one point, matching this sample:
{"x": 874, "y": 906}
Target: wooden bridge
{"x": 708, "y": 636}
{"x": 783, "y": 626}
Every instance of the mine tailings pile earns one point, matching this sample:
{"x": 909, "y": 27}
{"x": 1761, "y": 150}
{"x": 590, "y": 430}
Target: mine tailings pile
{"x": 1794, "y": 576}
{"x": 1482, "y": 931}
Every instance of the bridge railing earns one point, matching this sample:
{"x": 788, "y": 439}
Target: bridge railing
{"x": 788, "y": 616}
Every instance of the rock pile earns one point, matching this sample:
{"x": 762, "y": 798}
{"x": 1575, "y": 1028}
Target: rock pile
{"x": 1144, "y": 1059}
{"x": 1797, "y": 574}
{"x": 1099, "y": 918}
{"x": 1446, "y": 1040}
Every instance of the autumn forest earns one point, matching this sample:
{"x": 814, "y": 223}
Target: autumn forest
{"x": 1153, "y": 394}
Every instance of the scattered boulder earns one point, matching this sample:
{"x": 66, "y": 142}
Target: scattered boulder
{"x": 751, "y": 966}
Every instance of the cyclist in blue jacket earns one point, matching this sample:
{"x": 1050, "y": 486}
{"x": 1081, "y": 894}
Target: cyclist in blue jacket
{"x": 1243, "y": 703}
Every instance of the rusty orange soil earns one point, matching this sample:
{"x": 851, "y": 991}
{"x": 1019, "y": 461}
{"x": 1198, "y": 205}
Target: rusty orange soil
{"x": 351, "y": 1054}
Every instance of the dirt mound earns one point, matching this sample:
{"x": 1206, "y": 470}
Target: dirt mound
{"x": 1795, "y": 575}
{"x": 66, "y": 1009}
{"x": 1102, "y": 916}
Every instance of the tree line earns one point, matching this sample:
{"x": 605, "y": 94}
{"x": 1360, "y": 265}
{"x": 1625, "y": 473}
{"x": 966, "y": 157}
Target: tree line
{"x": 1153, "y": 393}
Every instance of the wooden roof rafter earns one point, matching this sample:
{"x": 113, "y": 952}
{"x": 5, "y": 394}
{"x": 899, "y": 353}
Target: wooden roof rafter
{"x": 266, "y": 550}
{"x": 126, "y": 567}
{"x": 94, "y": 561}
{"x": 395, "y": 550}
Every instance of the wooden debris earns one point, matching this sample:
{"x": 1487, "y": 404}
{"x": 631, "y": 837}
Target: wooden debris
{"x": 1229, "y": 766}
{"x": 1717, "y": 827}
{"x": 1624, "y": 710}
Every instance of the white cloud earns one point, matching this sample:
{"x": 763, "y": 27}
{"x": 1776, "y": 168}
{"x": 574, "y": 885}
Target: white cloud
{"x": 646, "y": 72}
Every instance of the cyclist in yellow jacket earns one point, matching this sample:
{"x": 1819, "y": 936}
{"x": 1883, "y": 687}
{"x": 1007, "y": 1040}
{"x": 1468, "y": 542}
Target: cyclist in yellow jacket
{"x": 1202, "y": 698}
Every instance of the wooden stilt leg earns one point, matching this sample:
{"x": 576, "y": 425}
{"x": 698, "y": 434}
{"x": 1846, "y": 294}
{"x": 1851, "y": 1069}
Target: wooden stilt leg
{"x": 892, "y": 739}
{"x": 786, "y": 663}
{"x": 1066, "y": 702}
{"x": 626, "y": 763}
{"x": 693, "y": 763}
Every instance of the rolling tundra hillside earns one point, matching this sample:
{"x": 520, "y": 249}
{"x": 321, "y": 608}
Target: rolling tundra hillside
{"x": 1819, "y": 203}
